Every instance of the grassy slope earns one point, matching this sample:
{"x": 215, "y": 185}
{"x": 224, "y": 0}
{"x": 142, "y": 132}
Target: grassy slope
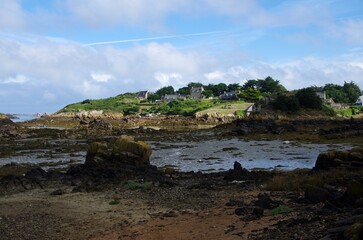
{"x": 226, "y": 108}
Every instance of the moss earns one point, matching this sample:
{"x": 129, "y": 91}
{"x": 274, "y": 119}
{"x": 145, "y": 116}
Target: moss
{"x": 280, "y": 210}
{"x": 132, "y": 185}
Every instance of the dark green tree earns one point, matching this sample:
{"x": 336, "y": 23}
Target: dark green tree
{"x": 207, "y": 93}
{"x": 352, "y": 91}
{"x": 335, "y": 92}
{"x": 218, "y": 89}
{"x": 250, "y": 94}
{"x": 286, "y": 103}
{"x": 194, "y": 84}
{"x": 307, "y": 98}
{"x": 233, "y": 87}
{"x": 184, "y": 91}
{"x": 165, "y": 90}
{"x": 154, "y": 97}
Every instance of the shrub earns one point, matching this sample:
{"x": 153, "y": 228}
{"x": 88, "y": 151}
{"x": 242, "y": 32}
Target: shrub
{"x": 132, "y": 185}
{"x": 280, "y": 210}
{"x": 286, "y": 103}
{"x": 307, "y": 98}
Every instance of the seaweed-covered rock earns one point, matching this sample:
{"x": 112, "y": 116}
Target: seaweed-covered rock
{"x": 349, "y": 159}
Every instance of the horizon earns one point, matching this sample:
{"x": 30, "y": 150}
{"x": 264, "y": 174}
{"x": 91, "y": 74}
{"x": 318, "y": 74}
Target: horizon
{"x": 55, "y": 53}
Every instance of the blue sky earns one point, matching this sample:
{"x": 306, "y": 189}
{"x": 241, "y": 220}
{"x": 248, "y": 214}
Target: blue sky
{"x": 56, "y": 52}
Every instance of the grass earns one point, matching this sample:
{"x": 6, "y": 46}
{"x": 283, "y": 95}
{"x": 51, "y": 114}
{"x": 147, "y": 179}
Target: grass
{"x": 227, "y": 108}
{"x": 280, "y": 210}
{"x": 300, "y": 180}
{"x": 132, "y": 185}
{"x": 121, "y": 103}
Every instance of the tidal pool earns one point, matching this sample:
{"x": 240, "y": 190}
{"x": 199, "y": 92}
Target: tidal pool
{"x": 219, "y": 155}
{"x": 188, "y": 152}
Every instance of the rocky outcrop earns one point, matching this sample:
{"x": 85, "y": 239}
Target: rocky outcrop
{"x": 106, "y": 162}
{"x": 347, "y": 159}
{"x": 8, "y": 128}
{"x": 216, "y": 117}
{"x": 116, "y": 161}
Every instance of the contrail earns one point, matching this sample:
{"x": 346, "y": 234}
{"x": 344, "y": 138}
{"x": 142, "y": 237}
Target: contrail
{"x": 153, "y": 38}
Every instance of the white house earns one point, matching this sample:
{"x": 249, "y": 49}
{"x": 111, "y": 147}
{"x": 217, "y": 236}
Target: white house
{"x": 359, "y": 101}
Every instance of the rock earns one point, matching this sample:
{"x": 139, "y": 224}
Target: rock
{"x": 354, "y": 191}
{"x": 349, "y": 159}
{"x": 36, "y": 174}
{"x": 136, "y": 153}
{"x": 57, "y": 192}
{"x": 316, "y": 194}
{"x": 237, "y": 173}
{"x": 265, "y": 202}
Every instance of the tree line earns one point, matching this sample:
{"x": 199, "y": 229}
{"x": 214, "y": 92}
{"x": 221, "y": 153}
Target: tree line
{"x": 256, "y": 90}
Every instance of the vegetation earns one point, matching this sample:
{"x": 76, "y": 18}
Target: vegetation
{"x": 252, "y": 91}
{"x": 280, "y": 210}
{"x": 348, "y": 93}
{"x": 124, "y": 103}
{"x": 132, "y": 185}
{"x": 302, "y": 179}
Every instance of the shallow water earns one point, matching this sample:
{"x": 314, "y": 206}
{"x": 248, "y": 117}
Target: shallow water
{"x": 194, "y": 154}
{"x": 220, "y": 155}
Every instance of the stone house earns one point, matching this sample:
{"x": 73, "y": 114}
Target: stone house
{"x": 233, "y": 95}
{"x": 170, "y": 97}
{"x": 196, "y": 92}
{"x": 142, "y": 95}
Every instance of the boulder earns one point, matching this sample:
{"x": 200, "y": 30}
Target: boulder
{"x": 136, "y": 153}
{"x": 348, "y": 159}
{"x": 124, "y": 152}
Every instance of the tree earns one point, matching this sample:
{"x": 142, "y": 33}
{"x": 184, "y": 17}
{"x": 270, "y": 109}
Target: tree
{"x": 184, "y": 91}
{"x": 154, "y": 97}
{"x": 286, "y": 103}
{"x": 250, "y": 94}
{"x": 217, "y": 89}
{"x": 207, "y": 93}
{"x": 165, "y": 90}
{"x": 307, "y": 98}
{"x": 352, "y": 91}
{"x": 233, "y": 87}
{"x": 267, "y": 85}
{"x": 194, "y": 84}
{"x": 335, "y": 92}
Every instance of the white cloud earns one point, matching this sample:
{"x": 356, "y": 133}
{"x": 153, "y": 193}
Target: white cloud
{"x": 11, "y": 15}
{"x": 18, "y": 79}
{"x": 110, "y": 12}
{"x": 166, "y": 79}
{"x": 101, "y": 77}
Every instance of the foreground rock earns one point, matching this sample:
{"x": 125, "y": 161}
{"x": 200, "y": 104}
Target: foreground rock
{"x": 347, "y": 159}
{"x": 105, "y": 163}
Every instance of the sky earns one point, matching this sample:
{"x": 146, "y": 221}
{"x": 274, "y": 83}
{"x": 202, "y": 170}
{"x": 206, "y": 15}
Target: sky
{"x": 57, "y": 52}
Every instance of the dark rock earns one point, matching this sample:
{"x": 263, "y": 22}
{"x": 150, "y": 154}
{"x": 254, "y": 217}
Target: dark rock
{"x": 349, "y": 159}
{"x": 57, "y": 192}
{"x": 265, "y": 202}
{"x": 257, "y": 211}
{"x": 234, "y": 202}
{"x": 36, "y": 174}
{"x": 237, "y": 173}
{"x": 316, "y": 194}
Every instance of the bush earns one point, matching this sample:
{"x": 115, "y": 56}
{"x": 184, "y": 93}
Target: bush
{"x": 286, "y": 103}
{"x": 132, "y": 185}
{"x": 307, "y": 98}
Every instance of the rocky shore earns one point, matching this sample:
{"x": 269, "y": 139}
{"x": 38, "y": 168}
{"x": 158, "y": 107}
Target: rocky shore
{"x": 117, "y": 194}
